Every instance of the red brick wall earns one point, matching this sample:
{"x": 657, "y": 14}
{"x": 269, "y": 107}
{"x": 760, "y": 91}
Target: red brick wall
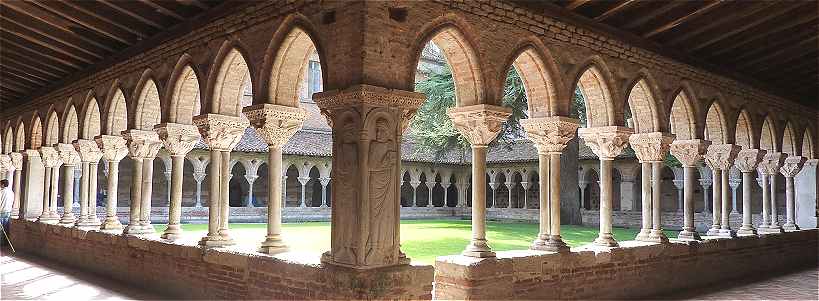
{"x": 193, "y": 272}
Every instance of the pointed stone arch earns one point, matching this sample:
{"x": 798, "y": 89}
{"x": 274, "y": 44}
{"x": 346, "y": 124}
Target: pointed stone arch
{"x": 184, "y": 92}
{"x": 768, "y": 138}
{"x": 538, "y": 72}
{"x": 36, "y": 132}
{"x": 683, "y": 117}
{"x": 744, "y": 134}
{"x": 8, "y": 138}
{"x": 226, "y": 83}
{"x": 71, "y": 125}
{"x": 286, "y": 62}
{"x": 716, "y": 128}
{"x": 789, "y": 140}
{"x": 146, "y": 110}
{"x": 461, "y": 56}
{"x": 116, "y": 116}
{"x": 91, "y": 121}
{"x": 593, "y": 82}
{"x": 645, "y": 109}
{"x": 808, "y": 148}
{"x": 20, "y": 136}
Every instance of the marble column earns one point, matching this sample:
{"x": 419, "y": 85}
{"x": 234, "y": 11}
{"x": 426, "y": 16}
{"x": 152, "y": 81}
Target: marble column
{"x": 680, "y": 186}
{"x": 445, "y": 185}
{"x": 179, "y": 140}
{"x": 89, "y": 153}
{"x": 494, "y": 187}
{"x": 324, "y": 182}
{"x": 479, "y": 124}
{"x": 52, "y": 162}
{"x": 769, "y": 168}
{"x": 143, "y": 146}
{"x": 430, "y": 186}
{"x": 582, "y": 185}
{"x": 550, "y": 136}
{"x": 415, "y": 185}
{"x": 276, "y": 124}
{"x": 747, "y": 162}
{"x": 651, "y": 149}
{"x": 250, "y": 180}
{"x": 221, "y": 133}
{"x": 734, "y": 182}
{"x": 645, "y": 192}
{"x": 706, "y": 187}
{"x": 368, "y": 124}
{"x": 16, "y": 185}
{"x": 606, "y": 142}
{"x": 720, "y": 158}
{"x": 303, "y": 181}
{"x": 791, "y": 167}
{"x": 509, "y": 185}
{"x": 113, "y": 149}
{"x": 70, "y": 159}
{"x": 525, "y": 186}
{"x": 689, "y": 153}
{"x": 199, "y": 177}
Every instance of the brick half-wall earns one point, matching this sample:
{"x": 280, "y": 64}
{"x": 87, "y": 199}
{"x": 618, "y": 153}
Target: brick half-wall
{"x": 197, "y": 273}
{"x": 635, "y": 270}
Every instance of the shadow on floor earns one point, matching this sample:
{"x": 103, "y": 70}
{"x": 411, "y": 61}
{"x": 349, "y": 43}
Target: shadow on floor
{"x": 799, "y": 284}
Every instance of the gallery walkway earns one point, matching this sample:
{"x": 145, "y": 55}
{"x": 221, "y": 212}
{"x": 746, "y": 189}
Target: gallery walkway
{"x": 792, "y": 285}
{"x": 31, "y": 278}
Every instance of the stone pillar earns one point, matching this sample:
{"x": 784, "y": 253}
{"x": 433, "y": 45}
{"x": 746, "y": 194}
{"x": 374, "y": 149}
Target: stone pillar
{"x": 680, "y": 185}
{"x": 606, "y": 142}
{"x": 76, "y": 188}
{"x": 70, "y": 159}
{"x": 415, "y": 185}
{"x": 143, "y": 146}
{"x": 645, "y": 191}
{"x": 113, "y": 150}
{"x": 250, "y": 180}
{"x": 51, "y": 161}
{"x": 509, "y": 185}
{"x": 368, "y": 123}
{"x": 199, "y": 176}
{"x": 479, "y": 124}
{"x": 494, "y": 187}
{"x": 303, "y": 181}
{"x": 221, "y": 133}
{"x": 276, "y": 124}
{"x": 33, "y": 193}
{"x": 769, "y": 167}
{"x": 17, "y": 164}
{"x": 626, "y": 193}
{"x": 747, "y": 162}
{"x": 789, "y": 169}
{"x": 89, "y": 154}
{"x": 445, "y": 185}
{"x": 324, "y": 182}
{"x": 689, "y": 153}
{"x": 179, "y": 140}
{"x": 651, "y": 148}
{"x": 734, "y": 182}
{"x": 720, "y": 158}
{"x": 525, "y": 186}
{"x": 582, "y": 185}
{"x": 706, "y": 187}
{"x": 550, "y": 136}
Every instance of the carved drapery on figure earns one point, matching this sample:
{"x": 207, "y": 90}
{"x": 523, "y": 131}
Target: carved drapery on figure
{"x": 550, "y": 134}
{"x": 689, "y": 152}
{"x": 367, "y": 123}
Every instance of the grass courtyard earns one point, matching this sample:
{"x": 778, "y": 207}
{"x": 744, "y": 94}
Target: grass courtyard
{"x": 421, "y": 240}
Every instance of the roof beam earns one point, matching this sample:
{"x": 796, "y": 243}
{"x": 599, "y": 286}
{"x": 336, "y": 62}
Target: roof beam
{"x": 614, "y": 10}
{"x": 94, "y": 11}
{"x": 114, "y": 33}
{"x": 767, "y": 16}
{"x": 769, "y": 31}
{"x": 766, "y": 46}
{"x": 51, "y": 23}
{"x": 683, "y": 19}
{"x": 35, "y": 82}
{"x": 15, "y": 84}
{"x": 576, "y": 3}
{"x": 41, "y": 51}
{"x": 809, "y": 54}
{"x": 196, "y": 3}
{"x": 14, "y": 65}
{"x": 797, "y": 46}
{"x": 35, "y": 26}
{"x": 133, "y": 10}
{"x": 667, "y": 6}
{"x": 33, "y": 62}
{"x": 719, "y": 22}
{"x": 163, "y": 10}
{"x": 24, "y": 34}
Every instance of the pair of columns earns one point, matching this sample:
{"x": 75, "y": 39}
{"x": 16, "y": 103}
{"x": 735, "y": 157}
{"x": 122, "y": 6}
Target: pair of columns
{"x": 651, "y": 150}
{"x": 52, "y": 162}
{"x": 143, "y": 146}
{"x": 720, "y": 158}
{"x": 11, "y": 165}
{"x": 771, "y": 164}
{"x": 324, "y": 181}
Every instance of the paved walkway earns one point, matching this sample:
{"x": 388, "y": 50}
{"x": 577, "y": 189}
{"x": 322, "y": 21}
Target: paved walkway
{"x": 26, "y": 277}
{"x": 793, "y": 285}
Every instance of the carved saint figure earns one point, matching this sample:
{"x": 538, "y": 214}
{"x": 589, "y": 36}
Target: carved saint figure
{"x": 345, "y": 201}
{"x": 382, "y": 192}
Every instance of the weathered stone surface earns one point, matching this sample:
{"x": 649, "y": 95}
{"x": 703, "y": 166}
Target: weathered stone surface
{"x": 479, "y": 124}
{"x": 651, "y": 147}
{"x": 606, "y": 142}
{"x": 689, "y": 152}
{"x": 550, "y": 134}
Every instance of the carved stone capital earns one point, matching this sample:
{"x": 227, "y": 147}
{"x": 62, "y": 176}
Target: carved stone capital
{"x": 651, "y": 147}
{"x": 748, "y": 159}
{"x": 142, "y": 144}
{"x": 689, "y": 152}
{"x": 369, "y": 96}
{"x": 550, "y": 134}
{"x": 5, "y": 165}
{"x": 275, "y": 123}
{"x": 68, "y": 155}
{"x": 50, "y": 156}
{"x": 606, "y": 141}
{"x": 113, "y": 147}
{"x": 479, "y": 124}
{"x": 221, "y": 132}
{"x": 771, "y": 163}
{"x": 721, "y": 156}
{"x": 792, "y": 166}
{"x": 88, "y": 150}
{"x": 17, "y": 160}
{"x": 178, "y": 139}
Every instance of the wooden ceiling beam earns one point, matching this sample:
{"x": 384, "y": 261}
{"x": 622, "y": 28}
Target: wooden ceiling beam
{"x": 615, "y": 10}
{"x": 34, "y": 83}
{"x": 573, "y": 4}
{"x": 35, "y": 26}
{"x": 5, "y": 91}
{"x": 667, "y": 6}
{"x": 809, "y": 54}
{"x": 766, "y": 46}
{"x": 41, "y": 51}
{"x": 719, "y": 22}
{"x": 29, "y": 68}
{"x": 45, "y": 21}
{"x": 34, "y": 63}
{"x": 88, "y": 8}
{"x": 810, "y": 42}
{"x": 13, "y": 65}
{"x": 789, "y": 6}
{"x": 24, "y": 34}
{"x": 133, "y": 10}
{"x": 196, "y": 3}
{"x": 676, "y": 22}
{"x": 763, "y": 35}
{"x": 112, "y": 32}
{"x": 804, "y": 64}
{"x": 15, "y": 84}
{"x": 160, "y": 8}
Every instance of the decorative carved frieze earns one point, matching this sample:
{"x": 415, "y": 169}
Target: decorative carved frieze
{"x": 179, "y": 139}
{"x": 367, "y": 97}
{"x": 792, "y": 166}
{"x": 689, "y": 152}
{"x": 748, "y": 159}
{"x": 68, "y": 155}
{"x": 113, "y": 148}
{"x": 88, "y": 150}
{"x": 606, "y": 141}
{"x": 142, "y": 144}
{"x": 771, "y": 163}
{"x": 275, "y": 123}
{"x": 550, "y": 134}
{"x": 721, "y": 156}
{"x": 479, "y": 124}
{"x": 651, "y": 147}
{"x": 221, "y": 132}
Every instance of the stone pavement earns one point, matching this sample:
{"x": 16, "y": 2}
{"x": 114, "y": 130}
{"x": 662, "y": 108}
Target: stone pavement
{"x": 791, "y": 285}
{"x": 26, "y": 277}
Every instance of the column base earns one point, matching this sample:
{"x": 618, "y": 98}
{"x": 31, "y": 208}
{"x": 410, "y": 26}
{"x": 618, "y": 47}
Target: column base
{"x": 273, "y": 244}
{"x": 556, "y": 244}
{"x": 148, "y": 228}
{"x": 67, "y": 220}
{"x": 135, "y": 230}
{"x": 111, "y": 224}
{"x": 658, "y": 236}
{"x": 173, "y": 232}
{"x": 540, "y": 243}
{"x": 746, "y": 230}
{"x": 643, "y": 235}
{"x": 790, "y": 227}
{"x": 770, "y": 230}
{"x": 689, "y": 235}
{"x": 714, "y": 231}
{"x": 727, "y": 233}
{"x": 478, "y": 248}
{"x": 211, "y": 241}
{"x": 606, "y": 240}
{"x": 48, "y": 219}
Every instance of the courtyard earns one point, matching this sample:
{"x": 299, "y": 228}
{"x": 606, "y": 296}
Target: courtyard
{"x": 421, "y": 240}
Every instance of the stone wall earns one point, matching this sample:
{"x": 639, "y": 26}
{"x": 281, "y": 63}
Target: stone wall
{"x": 635, "y": 270}
{"x": 193, "y": 272}
{"x": 671, "y": 220}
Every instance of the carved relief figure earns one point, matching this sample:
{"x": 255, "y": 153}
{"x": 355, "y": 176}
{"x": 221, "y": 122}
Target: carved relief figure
{"x": 382, "y": 192}
{"x": 346, "y": 158}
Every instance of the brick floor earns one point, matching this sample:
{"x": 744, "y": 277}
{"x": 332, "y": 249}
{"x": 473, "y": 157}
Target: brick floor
{"x": 26, "y": 277}
{"x": 791, "y": 285}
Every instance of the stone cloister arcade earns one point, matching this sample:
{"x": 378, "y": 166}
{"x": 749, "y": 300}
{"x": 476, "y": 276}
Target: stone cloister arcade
{"x": 168, "y": 97}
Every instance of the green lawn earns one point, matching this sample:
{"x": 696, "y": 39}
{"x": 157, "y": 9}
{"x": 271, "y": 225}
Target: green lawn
{"x": 423, "y": 240}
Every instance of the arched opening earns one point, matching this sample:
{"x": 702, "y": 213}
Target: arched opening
{"x": 592, "y": 190}
{"x": 91, "y": 120}
{"x": 38, "y": 136}
{"x": 596, "y": 98}
{"x": 292, "y": 189}
{"x": 260, "y": 186}
{"x": 231, "y": 85}
{"x": 8, "y": 140}
{"x": 438, "y": 192}
{"x": 20, "y": 137}
{"x": 788, "y": 141}
{"x": 644, "y": 117}
{"x": 238, "y": 186}
{"x": 715, "y": 126}
{"x": 807, "y": 145}
{"x": 767, "y": 139}
{"x": 406, "y": 190}
{"x": 451, "y": 193}
{"x": 71, "y": 126}
{"x": 52, "y": 133}
{"x": 147, "y": 112}
{"x": 744, "y": 131}
{"x": 314, "y": 188}
{"x": 184, "y": 96}
{"x": 682, "y": 121}
{"x": 117, "y": 116}
{"x": 422, "y": 192}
